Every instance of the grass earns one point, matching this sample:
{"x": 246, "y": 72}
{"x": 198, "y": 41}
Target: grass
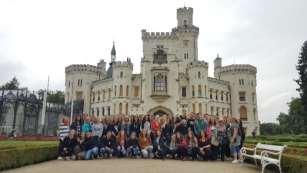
{"x": 11, "y": 144}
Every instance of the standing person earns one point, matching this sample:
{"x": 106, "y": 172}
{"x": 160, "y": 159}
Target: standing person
{"x": 199, "y": 125}
{"x": 63, "y": 129}
{"x": 155, "y": 125}
{"x": 235, "y": 139}
{"x": 214, "y": 141}
{"x": 166, "y": 129}
{"x": 133, "y": 149}
{"x": 97, "y": 128}
{"x": 145, "y": 144}
{"x": 222, "y": 138}
{"x": 76, "y": 125}
{"x": 86, "y": 126}
{"x": 146, "y": 124}
{"x": 121, "y": 143}
{"x": 135, "y": 125}
{"x": 241, "y": 133}
{"x": 125, "y": 125}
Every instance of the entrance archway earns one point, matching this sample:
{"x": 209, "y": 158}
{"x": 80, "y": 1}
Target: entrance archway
{"x": 160, "y": 110}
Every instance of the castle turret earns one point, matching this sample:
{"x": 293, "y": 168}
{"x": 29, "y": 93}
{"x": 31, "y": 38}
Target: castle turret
{"x": 217, "y": 65}
{"x": 113, "y": 53}
{"x": 184, "y": 17}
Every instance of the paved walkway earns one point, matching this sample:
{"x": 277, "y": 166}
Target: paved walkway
{"x": 135, "y": 166}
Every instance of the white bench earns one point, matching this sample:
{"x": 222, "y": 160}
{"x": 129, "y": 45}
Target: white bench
{"x": 265, "y": 154}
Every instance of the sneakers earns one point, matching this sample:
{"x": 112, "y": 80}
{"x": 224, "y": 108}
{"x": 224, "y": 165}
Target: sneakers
{"x": 60, "y": 158}
{"x": 235, "y": 161}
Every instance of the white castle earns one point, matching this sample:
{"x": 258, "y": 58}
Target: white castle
{"x": 172, "y": 80}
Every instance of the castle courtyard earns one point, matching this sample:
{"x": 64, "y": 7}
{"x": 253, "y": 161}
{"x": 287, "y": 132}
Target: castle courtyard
{"x": 136, "y": 166}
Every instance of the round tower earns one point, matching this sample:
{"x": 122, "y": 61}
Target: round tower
{"x": 243, "y": 82}
{"x": 217, "y": 65}
{"x": 122, "y": 74}
{"x": 78, "y": 79}
{"x": 198, "y": 85}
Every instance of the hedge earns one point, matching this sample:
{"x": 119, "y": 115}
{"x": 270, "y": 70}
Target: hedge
{"x": 290, "y": 163}
{"x": 17, "y": 157}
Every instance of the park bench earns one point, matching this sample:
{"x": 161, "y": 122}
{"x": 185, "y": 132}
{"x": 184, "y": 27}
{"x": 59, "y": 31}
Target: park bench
{"x": 266, "y": 154}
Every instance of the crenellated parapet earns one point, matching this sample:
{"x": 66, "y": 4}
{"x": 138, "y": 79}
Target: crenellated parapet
{"x": 194, "y": 64}
{"x": 238, "y": 68}
{"x": 122, "y": 64}
{"x": 158, "y": 35}
{"x": 81, "y": 68}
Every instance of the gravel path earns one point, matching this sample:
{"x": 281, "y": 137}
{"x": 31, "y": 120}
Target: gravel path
{"x": 135, "y": 166}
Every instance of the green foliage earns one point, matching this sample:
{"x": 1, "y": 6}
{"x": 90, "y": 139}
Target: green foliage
{"x": 15, "y": 154}
{"x": 11, "y": 85}
{"x": 270, "y": 129}
{"x": 57, "y": 97}
{"x": 302, "y": 80}
{"x": 293, "y": 122}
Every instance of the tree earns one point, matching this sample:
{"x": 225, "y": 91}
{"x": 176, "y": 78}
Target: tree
{"x": 11, "y": 85}
{"x": 57, "y": 97}
{"x": 302, "y": 80}
{"x": 293, "y": 122}
{"x": 270, "y": 129}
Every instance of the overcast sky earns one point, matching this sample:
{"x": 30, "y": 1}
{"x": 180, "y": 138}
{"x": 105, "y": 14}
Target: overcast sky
{"x": 39, "y": 38}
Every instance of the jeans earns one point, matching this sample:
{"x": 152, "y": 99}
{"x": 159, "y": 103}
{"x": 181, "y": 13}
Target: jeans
{"x": 106, "y": 151}
{"x": 89, "y": 154}
{"x": 121, "y": 151}
{"x": 133, "y": 151}
{"x": 147, "y": 151}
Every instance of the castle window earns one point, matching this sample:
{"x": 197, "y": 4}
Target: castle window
{"x": 120, "y": 107}
{"x": 186, "y": 55}
{"x": 127, "y": 106}
{"x": 68, "y": 83}
{"x": 222, "y": 96}
{"x": 241, "y": 81}
{"x": 160, "y": 82}
{"x": 199, "y": 75}
{"x": 254, "y": 113}
{"x": 216, "y": 95}
{"x": 136, "y": 91}
{"x": 93, "y": 111}
{"x": 223, "y": 111}
{"x": 217, "y": 111}
{"x": 200, "y": 110}
{"x": 121, "y": 74}
{"x": 93, "y": 97}
{"x": 193, "y": 107}
{"x": 127, "y": 91}
{"x": 120, "y": 90}
{"x": 253, "y": 97}
{"x": 243, "y": 113}
{"x": 160, "y": 56}
{"x": 205, "y": 91}
{"x": 102, "y": 111}
{"x": 226, "y": 97}
{"x": 184, "y": 91}
{"x": 109, "y": 110}
{"x": 97, "y": 112}
{"x": 185, "y": 43}
{"x": 103, "y": 95}
{"x": 211, "y": 110}
{"x": 185, "y": 23}
{"x": 211, "y": 94}
{"x": 199, "y": 91}
{"x": 193, "y": 91}
{"x": 98, "y": 96}
{"x": 109, "y": 95}
{"x": 115, "y": 88}
{"x": 242, "y": 97}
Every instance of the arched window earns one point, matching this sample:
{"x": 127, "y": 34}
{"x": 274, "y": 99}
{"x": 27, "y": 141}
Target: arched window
{"x": 121, "y": 74}
{"x": 243, "y": 113}
{"x": 120, "y": 90}
{"x": 127, "y": 108}
{"x": 200, "y": 109}
{"x": 199, "y": 75}
{"x": 193, "y": 91}
{"x": 127, "y": 91}
{"x": 120, "y": 108}
{"x": 160, "y": 83}
{"x": 199, "y": 91}
{"x": 115, "y": 88}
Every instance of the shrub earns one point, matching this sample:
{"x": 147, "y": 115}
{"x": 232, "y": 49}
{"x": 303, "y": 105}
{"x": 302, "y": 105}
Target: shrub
{"x": 17, "y": 157}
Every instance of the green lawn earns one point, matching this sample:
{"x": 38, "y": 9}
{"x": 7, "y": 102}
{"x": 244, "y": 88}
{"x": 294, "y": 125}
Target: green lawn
{"x": 10, "y": 144}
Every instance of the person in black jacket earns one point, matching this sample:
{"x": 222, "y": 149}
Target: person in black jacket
{"x": 90, "y": 146}
{"x": 76, "y": 125}
{"x": 67, "y": 146}
{"x": 160, "y": 146}
{"x": 108, "y": 145}
{"x": 133, "y": 149}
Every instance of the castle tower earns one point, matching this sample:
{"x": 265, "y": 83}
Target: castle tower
{"x": 217, "y": 65}
{"x": 185, "y": 17}
{"x": 113, "y": 53}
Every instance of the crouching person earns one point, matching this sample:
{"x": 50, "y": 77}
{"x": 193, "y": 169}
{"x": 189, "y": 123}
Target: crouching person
{"x": 90, "y": 146}
{"x": 67, "y": 146}
{"x": 121, "y": 141}
{"x": 108, "y": 145}
{"x": 160, "y": 148}
{"x": 145, "y": 144}
{"x": 133, "y": 148}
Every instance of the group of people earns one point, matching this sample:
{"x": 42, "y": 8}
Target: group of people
{"x": 195, "y": 136}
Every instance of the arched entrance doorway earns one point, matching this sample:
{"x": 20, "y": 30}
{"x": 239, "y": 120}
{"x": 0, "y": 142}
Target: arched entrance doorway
{"x": 160, "y": 110}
